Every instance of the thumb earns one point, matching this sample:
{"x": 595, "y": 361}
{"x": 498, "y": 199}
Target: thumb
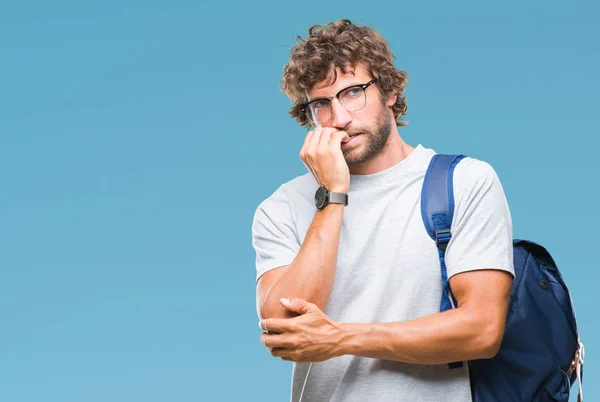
{"x": 345, "y": 136}
{"x": 298, "y": 305}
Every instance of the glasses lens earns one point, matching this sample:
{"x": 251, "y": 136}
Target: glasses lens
{"x": 319, "y": 112}
{"x": 353, "y": 99}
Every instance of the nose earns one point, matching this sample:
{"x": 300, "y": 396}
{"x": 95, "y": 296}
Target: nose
{"x": 341, "y": 117}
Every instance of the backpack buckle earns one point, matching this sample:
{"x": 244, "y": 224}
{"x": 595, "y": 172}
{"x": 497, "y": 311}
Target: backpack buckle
{"x": 442, "y": 237}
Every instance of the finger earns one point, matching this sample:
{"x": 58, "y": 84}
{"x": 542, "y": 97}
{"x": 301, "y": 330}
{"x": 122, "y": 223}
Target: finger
{"x": 262, "y": 324}
{"x": 326, "y": 137}
{"x": 303, "y": 156}
{"x": 277, "y": 325}
{"x": 311, "y": 147}
{"x": 337, "y": 138}
{"x": 299, "y": 305}
{"x": 304, "y": 146}
{"x": 276, "y": 341}
{"x": 281, "y": 352}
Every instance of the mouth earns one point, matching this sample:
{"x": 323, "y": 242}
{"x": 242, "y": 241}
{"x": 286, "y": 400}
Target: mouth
{"x": 351, "y": 140}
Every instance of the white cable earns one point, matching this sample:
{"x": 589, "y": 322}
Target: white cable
{"x": 578, "y": 368}
{"x": 304, "y": 385}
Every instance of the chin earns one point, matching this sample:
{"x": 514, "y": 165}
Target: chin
{"x": 354, "y": 159}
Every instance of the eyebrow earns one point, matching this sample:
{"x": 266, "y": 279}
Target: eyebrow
{"x": 331, "y": 97}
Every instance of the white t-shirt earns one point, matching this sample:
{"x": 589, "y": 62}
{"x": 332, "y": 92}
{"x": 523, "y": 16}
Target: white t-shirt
{"x": 388, "y": 268}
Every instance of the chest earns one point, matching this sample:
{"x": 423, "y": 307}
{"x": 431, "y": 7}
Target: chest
{"x": 387, "y": 266}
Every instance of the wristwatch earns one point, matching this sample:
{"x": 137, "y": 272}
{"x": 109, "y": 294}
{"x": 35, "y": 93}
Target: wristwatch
{"x": 324, "y": 197}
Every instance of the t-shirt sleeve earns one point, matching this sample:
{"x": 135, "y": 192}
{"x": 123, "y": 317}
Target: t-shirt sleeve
{"x": 482, "y": 225}
{"x": 274, "y": 233}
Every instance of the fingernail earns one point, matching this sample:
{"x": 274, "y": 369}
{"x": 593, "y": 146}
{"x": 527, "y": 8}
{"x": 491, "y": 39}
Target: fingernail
{"x": 286, "y": 301}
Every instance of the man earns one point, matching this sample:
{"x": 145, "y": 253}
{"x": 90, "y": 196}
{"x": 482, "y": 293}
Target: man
{"x": 356, "y": 288}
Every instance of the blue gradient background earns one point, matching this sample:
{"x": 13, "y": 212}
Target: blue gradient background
{"x": 137, "y": 139}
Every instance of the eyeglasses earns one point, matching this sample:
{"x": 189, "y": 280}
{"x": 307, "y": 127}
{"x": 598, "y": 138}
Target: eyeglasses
{"x": 319, "y": 111}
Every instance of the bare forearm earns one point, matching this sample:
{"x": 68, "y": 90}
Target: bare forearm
{"x": 310, "y": 277}
{"x": 455, "y": 335}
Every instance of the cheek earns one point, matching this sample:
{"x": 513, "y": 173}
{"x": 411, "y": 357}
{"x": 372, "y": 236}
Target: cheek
{"x": 370, "y": 114}
{"x": 366, "y": 115}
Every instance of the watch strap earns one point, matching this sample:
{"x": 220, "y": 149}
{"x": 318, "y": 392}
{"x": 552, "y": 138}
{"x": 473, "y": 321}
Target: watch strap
{"x": 338, "y": 198}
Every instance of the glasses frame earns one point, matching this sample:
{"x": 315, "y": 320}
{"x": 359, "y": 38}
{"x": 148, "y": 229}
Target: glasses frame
{"x": 329, "y": 99}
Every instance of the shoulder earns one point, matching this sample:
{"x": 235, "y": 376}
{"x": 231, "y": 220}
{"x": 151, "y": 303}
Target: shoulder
{"x": 472, "y": 174}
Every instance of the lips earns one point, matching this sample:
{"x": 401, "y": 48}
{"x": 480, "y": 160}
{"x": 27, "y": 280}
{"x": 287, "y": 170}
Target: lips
{"x": 351, "y": 139}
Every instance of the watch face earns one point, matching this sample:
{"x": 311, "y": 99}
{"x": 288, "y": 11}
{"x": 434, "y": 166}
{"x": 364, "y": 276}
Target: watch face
{"x": 321, "y": 197}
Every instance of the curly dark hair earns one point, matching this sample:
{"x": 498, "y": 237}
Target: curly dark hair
{"x": 341, "y": 44}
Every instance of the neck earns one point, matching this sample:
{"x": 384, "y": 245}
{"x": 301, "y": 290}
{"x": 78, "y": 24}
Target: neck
{"x": 394, "y": 152}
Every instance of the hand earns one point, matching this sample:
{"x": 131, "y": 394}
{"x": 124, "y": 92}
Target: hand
{"x": 310, "y": 337}
{"x": 322, "y": 155}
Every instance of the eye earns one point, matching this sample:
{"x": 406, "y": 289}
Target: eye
{"x": 320, "y": 104}
{"x": 354, "y": 91}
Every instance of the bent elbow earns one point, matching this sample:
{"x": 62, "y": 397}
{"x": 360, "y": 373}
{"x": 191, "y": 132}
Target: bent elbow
{"x": 490, "y": 343}
{"x": 271, "y": 307}
{"x": 491, "y": 351}
{"x": 274, "y": 309}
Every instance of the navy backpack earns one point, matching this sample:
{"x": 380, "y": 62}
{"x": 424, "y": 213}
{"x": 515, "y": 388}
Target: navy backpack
{"x": 541, "y": 355}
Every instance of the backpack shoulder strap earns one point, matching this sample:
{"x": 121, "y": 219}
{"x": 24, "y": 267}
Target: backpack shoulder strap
{"x": 437, "y": 211}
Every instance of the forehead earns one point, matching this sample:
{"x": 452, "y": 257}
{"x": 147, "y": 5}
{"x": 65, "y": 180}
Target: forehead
{"x": 353, "y": 76}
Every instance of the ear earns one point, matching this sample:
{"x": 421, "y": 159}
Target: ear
{"x": 391, "y": 100}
